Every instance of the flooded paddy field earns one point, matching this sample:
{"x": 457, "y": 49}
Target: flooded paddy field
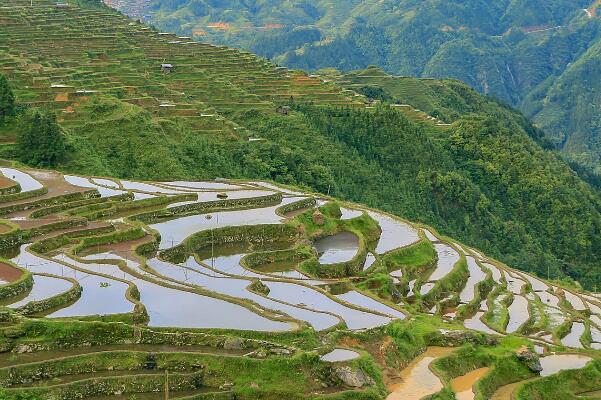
{"x": 463, "y": 385}
{"x": 447, "y": 258}
{"x": 246, "y": 277}
{"x": 395, "y": 233}
{"x": 337, "y": 248}
{"x": 339, "y": 355}
{"x": 44, "y": 287}
{"x": 518, "y": 313}
{"x": 417, "y": 380}
{"x": 477, "y": 275}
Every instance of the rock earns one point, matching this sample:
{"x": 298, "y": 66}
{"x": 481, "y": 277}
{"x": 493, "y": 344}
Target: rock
{"x": 234, "y": 343}
{"x": 455, "y": 337}
{"x": 353, "y": 377}
{"x": 23, "y": 348}
{"x": 226, "y": 386}
{"x": 260, "y": 353}
{"x": 529, "y": 358}
{"x": 280, "y": 351}
{"x": 318, "y": 218}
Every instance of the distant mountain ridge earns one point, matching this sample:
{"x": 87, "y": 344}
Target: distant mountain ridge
{"x": 540, "y": 56}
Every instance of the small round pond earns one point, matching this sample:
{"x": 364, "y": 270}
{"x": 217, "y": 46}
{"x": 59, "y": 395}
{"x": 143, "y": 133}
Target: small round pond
{"x": 337, "y": 248}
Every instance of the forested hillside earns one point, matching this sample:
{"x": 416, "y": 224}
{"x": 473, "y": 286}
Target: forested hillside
{"x": 482, "y": 174}
{"x": 540, "y": 56}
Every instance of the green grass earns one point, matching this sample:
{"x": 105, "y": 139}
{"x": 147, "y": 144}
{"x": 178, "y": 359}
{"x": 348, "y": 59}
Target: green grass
{"x": 411, "y": 258}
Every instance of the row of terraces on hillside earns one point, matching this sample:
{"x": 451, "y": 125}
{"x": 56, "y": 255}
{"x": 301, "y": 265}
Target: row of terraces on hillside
{"x": 247, "y": 256}
{"x": 254, "y": 256}
{"x": 58, "y": 55}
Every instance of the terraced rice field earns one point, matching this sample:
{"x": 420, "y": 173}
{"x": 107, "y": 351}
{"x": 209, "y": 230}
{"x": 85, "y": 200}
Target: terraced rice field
{"x": 59, "y": 56}
{"x": 200, "y": 257}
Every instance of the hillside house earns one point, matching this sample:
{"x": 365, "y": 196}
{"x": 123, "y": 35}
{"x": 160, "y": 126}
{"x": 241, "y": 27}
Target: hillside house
{"x": 166, "y": 68}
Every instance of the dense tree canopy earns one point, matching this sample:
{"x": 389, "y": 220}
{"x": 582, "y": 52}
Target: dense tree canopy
{"x": 40, "y": 141}
{"x": 7, "y": 98}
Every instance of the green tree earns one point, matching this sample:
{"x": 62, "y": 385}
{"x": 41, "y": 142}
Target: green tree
{"x": 40, "y": 142}
{"x": 7, "y": 98}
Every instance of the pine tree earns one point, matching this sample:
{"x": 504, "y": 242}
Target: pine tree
{"x": 7, "y": 99}
{"x": 40, "y": 141}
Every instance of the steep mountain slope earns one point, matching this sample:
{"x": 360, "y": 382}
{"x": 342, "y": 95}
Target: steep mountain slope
{"x": 484, "y": 178}
{"x": 532, "y": 54}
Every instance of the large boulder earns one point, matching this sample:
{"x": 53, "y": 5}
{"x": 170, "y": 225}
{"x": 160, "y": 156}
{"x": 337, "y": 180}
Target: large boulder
{"x": 530, "y": 358}
{"x": 353, "y": 377}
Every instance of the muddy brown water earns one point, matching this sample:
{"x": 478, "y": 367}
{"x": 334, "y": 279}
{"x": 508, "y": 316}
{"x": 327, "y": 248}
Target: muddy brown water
{"x": 506, "y": 392}
{"x": 5, "y": 182}
{"x": 418, "y": 380}
{"x": 463, "y": 385}
{"x": 8, "y": 273}
{"x": 5, "y": 228}
{"x": 122, "y": 249}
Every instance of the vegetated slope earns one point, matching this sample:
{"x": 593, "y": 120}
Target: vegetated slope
{"x": 483, "y": 179}
{"x": 532, "y": 54}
